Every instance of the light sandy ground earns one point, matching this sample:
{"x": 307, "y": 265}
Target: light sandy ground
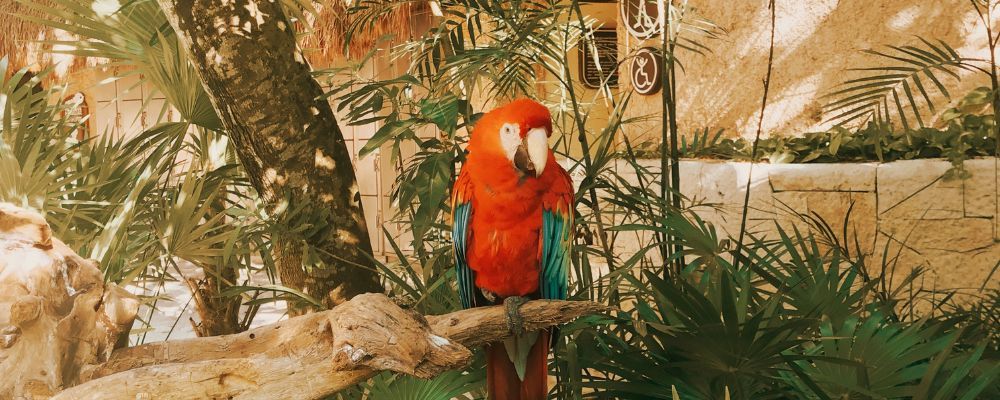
{"x": 171, "y": 317}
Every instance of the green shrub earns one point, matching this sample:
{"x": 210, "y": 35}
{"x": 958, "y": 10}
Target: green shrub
{"x": 965, "y": 131}
{"x": 794, "y": 321}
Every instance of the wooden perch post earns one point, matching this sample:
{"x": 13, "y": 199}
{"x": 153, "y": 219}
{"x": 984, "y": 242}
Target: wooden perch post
{"x": 59, "y": 322}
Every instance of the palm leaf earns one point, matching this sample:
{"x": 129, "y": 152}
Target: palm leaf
{"x": 910, "y": 81}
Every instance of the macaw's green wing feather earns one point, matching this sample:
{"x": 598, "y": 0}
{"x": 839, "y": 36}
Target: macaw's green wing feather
{"x": 460, "y": 233}
{"x": 464, "y": 275}
{"x": 556, "y": 238}
{"x": 555, "y": 255}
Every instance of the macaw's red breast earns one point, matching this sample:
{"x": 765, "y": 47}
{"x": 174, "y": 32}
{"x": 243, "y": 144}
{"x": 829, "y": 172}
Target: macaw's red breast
{"x": 503, "y": 249}
{"x": 504, "y": 246}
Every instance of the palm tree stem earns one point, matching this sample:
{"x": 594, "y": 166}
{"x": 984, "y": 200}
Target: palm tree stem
{"x": 756, "y": 141}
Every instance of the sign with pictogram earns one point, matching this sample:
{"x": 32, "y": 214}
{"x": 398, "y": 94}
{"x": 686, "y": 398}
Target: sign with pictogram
{"x": 641, "y": 17}
{"x": 646, "y": 71}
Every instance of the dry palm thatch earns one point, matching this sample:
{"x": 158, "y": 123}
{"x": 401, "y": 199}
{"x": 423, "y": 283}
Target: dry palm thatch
{"x": 17, "y": 34}
{"x": 325, "y": 41}
{"x": 325, "y": 45}
{"x": 19, "y": 41}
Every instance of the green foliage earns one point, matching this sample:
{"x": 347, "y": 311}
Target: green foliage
{"x": 714, "y": 331}
{"x": 494, "y": 43}
{"x": 795, "y": 322}
{"x": 449, "y": 385}
{"x": 136, "y": 36}
{"x": 874, "y": 357}
{"x": 139, "y": 38}
{"x": 965, "y": 131}
{"x": 425, "y": 117}
{"x": 498, "y": 44}
{"x": 129, "y": 202}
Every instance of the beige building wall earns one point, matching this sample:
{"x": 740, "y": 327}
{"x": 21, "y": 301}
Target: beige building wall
{"x": 816, "y": 41}
{"x": 604, "y": 15}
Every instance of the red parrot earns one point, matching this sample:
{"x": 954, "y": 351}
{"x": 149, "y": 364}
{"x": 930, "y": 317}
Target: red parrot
{"x": 512, "y": 207}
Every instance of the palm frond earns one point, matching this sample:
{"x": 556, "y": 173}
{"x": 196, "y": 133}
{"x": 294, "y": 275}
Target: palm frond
{"x": 909, "y": 83}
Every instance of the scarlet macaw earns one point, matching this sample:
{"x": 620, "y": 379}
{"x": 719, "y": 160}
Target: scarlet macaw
{"x": 512, "y": 207}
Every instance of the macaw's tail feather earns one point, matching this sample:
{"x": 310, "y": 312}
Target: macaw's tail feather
{"x": 502, "y": 380}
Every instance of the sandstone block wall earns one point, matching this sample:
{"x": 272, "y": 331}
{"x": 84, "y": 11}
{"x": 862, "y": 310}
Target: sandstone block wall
{"x": 949, "y": 227}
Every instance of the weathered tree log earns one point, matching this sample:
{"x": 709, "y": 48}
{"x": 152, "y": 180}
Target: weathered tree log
{"x": 59, "y": 322}
{"x": 286, "y": 137}
{"x": 311, "y": 356}
{"x": 56, "y": 312}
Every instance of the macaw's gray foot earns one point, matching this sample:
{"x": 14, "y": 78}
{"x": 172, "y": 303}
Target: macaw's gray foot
{"x": 514, "y": 321}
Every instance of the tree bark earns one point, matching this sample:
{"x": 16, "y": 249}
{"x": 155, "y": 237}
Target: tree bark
{"x": 311, "y": 356}
{"x": 287, "y": 139}
{"x": 217, "y": 314}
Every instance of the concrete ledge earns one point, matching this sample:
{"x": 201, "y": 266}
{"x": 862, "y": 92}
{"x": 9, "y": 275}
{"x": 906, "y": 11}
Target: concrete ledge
{"x": 823, "y": 177}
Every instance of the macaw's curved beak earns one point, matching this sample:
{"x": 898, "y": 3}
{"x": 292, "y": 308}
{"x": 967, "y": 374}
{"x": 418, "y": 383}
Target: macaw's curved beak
{"x": 533, "y": 153}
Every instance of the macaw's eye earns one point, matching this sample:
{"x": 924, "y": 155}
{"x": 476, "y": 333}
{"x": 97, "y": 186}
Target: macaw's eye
{"x": 510, "y": 138}
{"x": 508, "y": 129}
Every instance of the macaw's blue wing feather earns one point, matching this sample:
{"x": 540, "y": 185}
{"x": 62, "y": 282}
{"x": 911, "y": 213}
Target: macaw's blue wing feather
{"x": 460, "y": 233}
{"x": 556, "y": 244}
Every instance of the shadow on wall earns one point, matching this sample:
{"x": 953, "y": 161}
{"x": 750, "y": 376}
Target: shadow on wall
{"x": 815, "y": 43}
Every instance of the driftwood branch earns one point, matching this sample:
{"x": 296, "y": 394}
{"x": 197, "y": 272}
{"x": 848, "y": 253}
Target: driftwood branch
{"x": 56, "y": 312}
{"x": 59, "y": 322}
{"x": 314, "y": 355}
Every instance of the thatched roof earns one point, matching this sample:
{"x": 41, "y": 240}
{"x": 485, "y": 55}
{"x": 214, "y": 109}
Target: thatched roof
{"x": 17, "y": 34}
{"x": 325, "y": 45}
{"x": 18, "y": 41}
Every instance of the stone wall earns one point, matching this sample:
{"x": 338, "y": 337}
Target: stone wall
{"x": 950, "y": 227}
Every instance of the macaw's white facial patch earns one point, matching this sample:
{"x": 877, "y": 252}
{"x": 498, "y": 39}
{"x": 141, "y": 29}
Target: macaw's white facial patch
{"x": 510, "y": 138}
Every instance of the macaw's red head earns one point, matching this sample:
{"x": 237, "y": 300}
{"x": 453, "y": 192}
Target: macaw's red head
{"x": 513, "y": 138}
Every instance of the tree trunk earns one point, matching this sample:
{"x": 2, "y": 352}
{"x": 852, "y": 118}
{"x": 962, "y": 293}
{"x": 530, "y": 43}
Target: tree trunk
{"x": 287, "y": 140}
{"x": 218, "y": 314}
